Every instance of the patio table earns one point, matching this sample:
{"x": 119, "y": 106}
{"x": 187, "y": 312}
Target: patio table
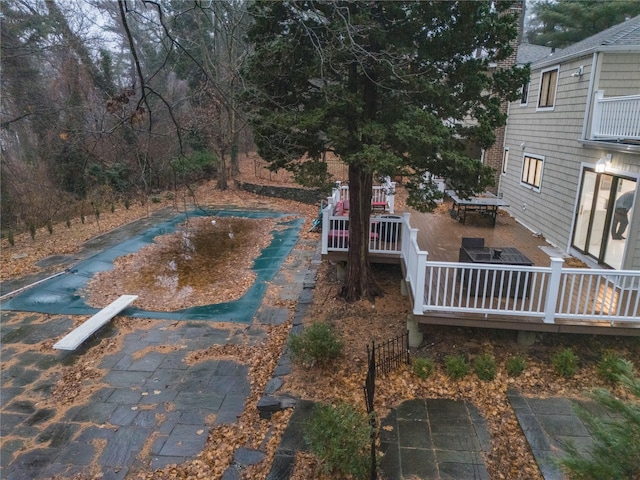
{"x": 496, "y": 256}
{"x": 487, "y": 204}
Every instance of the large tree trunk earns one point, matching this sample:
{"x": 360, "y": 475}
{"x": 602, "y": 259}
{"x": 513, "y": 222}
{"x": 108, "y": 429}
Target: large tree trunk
{"x": 359, "y": 281}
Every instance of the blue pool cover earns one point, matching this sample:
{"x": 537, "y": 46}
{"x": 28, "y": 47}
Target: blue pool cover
{"x": 60, "y": 295}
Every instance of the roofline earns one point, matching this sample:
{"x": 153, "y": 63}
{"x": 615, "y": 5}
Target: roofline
{"x": 586, "y": 52}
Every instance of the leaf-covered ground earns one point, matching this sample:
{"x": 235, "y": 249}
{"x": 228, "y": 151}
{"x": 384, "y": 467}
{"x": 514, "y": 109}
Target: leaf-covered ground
{"x": 358, "y": 324}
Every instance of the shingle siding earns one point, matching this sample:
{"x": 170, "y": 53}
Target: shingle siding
{"x": 554, "y": 135}
{"x": 620, "y": 74}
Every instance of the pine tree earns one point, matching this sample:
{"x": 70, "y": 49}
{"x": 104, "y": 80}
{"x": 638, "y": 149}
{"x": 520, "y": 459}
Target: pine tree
{"x": 560, "y": 23}
{"x": 389, "y": 88}
{"x": 616, "y": 449}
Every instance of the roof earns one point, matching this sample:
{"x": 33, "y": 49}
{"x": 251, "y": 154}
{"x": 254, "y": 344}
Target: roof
{"x": 624, "y": 34}
{"x": 529, "y": 53}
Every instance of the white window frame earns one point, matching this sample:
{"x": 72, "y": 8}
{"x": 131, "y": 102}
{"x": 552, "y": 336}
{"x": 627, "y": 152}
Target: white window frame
{"x": 525, "y": 87}
{"x": 555, "y": 89}
{"x": 505, "y": 160}
{"x": 535, "y": 183}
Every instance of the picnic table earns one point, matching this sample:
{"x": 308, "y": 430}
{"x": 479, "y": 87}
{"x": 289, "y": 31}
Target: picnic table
{"x": 486, "y": 204}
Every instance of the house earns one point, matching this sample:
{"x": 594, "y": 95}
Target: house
{"x": 571, "y": 150}
{"x": 572, "y": 147}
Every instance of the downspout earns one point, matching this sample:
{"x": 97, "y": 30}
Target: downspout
{"x": 592, "y": 81}
{"x": 504, "y": 145}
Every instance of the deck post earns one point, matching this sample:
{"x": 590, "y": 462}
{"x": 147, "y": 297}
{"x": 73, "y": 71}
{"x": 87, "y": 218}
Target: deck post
{"x": 325, "y": 227}
{"x": 552, "y": 290}
{"x": 596, "y": 118}
{"x": 405, "y": 240}
{"x": 421, "y": 273}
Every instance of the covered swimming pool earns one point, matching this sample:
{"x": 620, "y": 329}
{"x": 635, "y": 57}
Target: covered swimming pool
{"x": 62, "y": 295}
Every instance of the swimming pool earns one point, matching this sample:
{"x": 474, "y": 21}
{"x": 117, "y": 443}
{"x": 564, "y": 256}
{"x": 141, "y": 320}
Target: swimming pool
{"x": 61, "y": 295}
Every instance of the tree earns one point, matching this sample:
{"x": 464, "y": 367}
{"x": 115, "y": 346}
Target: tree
{"x": 213, "y": 36}
{"x": 389, "y": 87}
{"x": 560, "y": 23}
{"x": 615, "y": 452}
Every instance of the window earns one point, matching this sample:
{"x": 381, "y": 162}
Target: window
{"x": 548, "y": 83}
{"x": 532, "y": 171}
{"x": 505, "y": 159}
{"x": 524, "y": 94}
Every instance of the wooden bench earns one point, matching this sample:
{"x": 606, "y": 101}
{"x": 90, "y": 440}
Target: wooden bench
{"x": 72, "y": 340}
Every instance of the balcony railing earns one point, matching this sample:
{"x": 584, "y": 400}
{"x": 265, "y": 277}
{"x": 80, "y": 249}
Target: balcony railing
{"x": 615, "y": 118}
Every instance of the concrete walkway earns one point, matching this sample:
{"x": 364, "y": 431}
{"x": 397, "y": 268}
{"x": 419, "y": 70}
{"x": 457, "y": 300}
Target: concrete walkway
{"x": 433, "y": 439}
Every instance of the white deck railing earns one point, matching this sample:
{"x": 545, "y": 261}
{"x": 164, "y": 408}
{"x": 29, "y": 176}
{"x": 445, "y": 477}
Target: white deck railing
{"x": 547, "y": 293}
{"x": 615, "y": 117}
{"x": 382, "y": 196}
{"x": 550, "y": 294}
{"x": 385, "y": 232}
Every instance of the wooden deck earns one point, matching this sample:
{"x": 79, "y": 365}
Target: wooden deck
{"x": 441, "y": 236}
{"x": 584, "y": 300}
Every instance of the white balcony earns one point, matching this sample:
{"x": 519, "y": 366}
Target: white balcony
{"x": 615, "y": 118}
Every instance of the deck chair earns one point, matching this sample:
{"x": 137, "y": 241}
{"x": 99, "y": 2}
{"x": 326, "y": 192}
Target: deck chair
{"x": 469, "y": 242}
{"x": 472, "y": 242}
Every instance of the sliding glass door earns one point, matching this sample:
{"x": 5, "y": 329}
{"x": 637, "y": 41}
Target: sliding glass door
{"x": 600, "y": 227}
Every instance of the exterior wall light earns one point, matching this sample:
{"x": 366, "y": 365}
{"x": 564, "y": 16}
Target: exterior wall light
{"x": 603, "y": 164}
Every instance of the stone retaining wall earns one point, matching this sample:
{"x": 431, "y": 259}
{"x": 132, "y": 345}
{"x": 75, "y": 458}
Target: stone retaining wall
{"x": 303, "y": 195}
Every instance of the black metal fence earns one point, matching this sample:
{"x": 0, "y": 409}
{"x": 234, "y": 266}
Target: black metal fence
{"x": 381, "y": 360}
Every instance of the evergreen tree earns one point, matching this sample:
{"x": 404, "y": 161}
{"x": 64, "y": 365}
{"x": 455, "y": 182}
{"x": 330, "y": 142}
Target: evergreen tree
{"x": 389, "y": 87}
{"x": 560, "y": 23}
{"x": 616, "y": 449}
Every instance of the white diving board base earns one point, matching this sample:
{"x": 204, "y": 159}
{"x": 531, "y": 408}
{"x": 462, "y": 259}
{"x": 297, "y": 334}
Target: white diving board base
{"x": 84, "y": 331}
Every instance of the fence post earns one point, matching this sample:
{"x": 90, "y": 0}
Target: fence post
{"x": 369, "y": 392}
{"x": 553, "y": 288}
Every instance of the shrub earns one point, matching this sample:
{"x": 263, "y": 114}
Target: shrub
{"x": 316, "y": 345}
{"x": 32, "y": 230}
{"x": 423, "y": 367}
{"x": 200, "y": 164}
{"x": 12, "y": 241}
{"x": 516, "y": 365}
{"x": 49, "y": 227}
{"x": 565, "y": 362}
{"x": 456, "y": 366}
{"x": 616, "y": 443}
{"x": 113, "y": 208}
{"x": 127, "y": 203}
{"x": 68, "y": 222}
{"x": 155, "y": 199}
{"x": 611, "y": 365}
{"x": 340, "y": 437}
{"x": 485, "y": 367}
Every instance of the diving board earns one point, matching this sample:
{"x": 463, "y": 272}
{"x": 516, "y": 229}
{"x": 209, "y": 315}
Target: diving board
{"x": 72, "y": 340}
